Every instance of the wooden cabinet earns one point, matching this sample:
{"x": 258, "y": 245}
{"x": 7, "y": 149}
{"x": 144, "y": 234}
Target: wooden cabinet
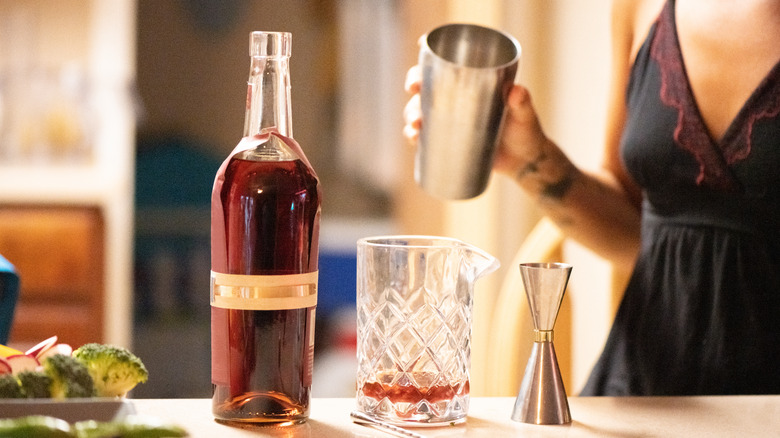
{"x": 58, "y": 254}
{"x": 67, "y": 225}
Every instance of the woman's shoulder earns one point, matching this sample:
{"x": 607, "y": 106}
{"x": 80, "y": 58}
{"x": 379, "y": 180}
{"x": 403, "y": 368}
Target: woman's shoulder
{"x": 631, "y": 21}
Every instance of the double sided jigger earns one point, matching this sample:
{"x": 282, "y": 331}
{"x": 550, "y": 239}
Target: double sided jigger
{"x": 542, "y": 398}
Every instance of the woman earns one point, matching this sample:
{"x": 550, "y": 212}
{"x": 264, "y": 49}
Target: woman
{"x": 692, "y": 165}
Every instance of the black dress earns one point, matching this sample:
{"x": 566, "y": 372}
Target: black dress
{"x": 701, "y": 312}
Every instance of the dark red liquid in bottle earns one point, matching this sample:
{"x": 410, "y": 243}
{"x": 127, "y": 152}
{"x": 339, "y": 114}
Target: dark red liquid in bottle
{"x": 265, "y": 221}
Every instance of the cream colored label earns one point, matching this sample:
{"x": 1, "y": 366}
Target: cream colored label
{"x": 264, "y": 292}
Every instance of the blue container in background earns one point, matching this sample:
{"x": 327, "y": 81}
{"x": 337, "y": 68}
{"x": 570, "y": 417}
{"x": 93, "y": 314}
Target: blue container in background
{"x": 9, "y": 293}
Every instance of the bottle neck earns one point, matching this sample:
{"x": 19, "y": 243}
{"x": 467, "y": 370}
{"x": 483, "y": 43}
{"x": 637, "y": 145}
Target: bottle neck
{"x": 268, "y": 97}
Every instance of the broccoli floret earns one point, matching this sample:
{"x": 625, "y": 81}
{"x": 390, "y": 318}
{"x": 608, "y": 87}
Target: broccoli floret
{"x": 35, "y": 384}
{"x": 114, "y": 369}
{"x": 70, "y": 378}
{"x": 9, "y": 387}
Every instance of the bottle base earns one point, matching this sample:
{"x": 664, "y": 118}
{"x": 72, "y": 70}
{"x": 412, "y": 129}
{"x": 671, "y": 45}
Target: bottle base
{"x": 254, "y": 423}
{"x": 259, "y": 409}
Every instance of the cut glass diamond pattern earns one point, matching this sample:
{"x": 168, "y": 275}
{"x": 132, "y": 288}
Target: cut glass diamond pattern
{"x": 414, "y": 319}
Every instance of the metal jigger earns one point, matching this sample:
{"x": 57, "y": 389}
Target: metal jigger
{"x": 542, "y": 398}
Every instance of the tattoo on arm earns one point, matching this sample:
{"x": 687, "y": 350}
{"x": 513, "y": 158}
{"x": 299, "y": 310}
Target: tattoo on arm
{"x": 553, "y": 191}
{"x": 558, "y": 190}
{"x": 531, "y": 167}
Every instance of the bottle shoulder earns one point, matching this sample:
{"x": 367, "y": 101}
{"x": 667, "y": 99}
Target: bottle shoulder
{"x": 269, "y": 161}
{"x": 269, "y": 146}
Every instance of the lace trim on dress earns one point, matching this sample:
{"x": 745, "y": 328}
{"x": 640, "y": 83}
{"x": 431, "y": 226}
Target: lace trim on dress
{"x": 766, "y": 108}
{"x": 691, "y": 134}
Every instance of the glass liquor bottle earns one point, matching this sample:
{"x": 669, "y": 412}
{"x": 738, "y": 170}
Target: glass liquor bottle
{"x": 265, "y": 215}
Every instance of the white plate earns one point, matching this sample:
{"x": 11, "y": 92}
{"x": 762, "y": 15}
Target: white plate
{"x": 70, "y": 410}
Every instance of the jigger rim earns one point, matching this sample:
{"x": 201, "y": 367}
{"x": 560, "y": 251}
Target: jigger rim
{"x": 543, "y": 265}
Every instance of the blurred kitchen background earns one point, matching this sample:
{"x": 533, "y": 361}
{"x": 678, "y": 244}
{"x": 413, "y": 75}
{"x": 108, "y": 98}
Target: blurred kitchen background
{"x": 115, "y": 114}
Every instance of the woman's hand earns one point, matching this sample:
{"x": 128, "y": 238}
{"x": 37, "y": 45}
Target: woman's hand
{"x": 522, "y": 142}
{"x": 527, "y": 155}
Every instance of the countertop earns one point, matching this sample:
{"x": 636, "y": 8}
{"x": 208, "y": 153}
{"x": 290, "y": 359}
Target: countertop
{"x": 710, "y": 416}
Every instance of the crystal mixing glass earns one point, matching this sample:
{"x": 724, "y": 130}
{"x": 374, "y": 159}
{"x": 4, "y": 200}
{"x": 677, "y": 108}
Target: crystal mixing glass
{"x": 414, "y": 312}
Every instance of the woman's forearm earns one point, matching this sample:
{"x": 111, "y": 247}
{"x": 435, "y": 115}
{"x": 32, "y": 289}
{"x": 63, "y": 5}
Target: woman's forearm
{"x": 592, "y": 209}
{"x": 595, "y": 210}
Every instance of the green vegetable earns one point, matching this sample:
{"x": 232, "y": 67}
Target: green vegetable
{"x": 70, "y": 378}
{"x": 9, "y": 387}
{"x": 35, "y": 384}
{"x": 114, "y": 370}
{"x": 49, "y": 427}
{"x": 132, "y": 426}
{"x": 35, "y": 426}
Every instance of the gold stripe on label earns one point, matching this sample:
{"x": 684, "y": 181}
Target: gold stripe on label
{"x": 264, "y": 292}
{"x": 264, "y": 304}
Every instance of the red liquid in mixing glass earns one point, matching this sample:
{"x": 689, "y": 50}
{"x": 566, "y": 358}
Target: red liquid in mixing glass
{"x": 409, "y": 393}
{"x": 269, "y": 226}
